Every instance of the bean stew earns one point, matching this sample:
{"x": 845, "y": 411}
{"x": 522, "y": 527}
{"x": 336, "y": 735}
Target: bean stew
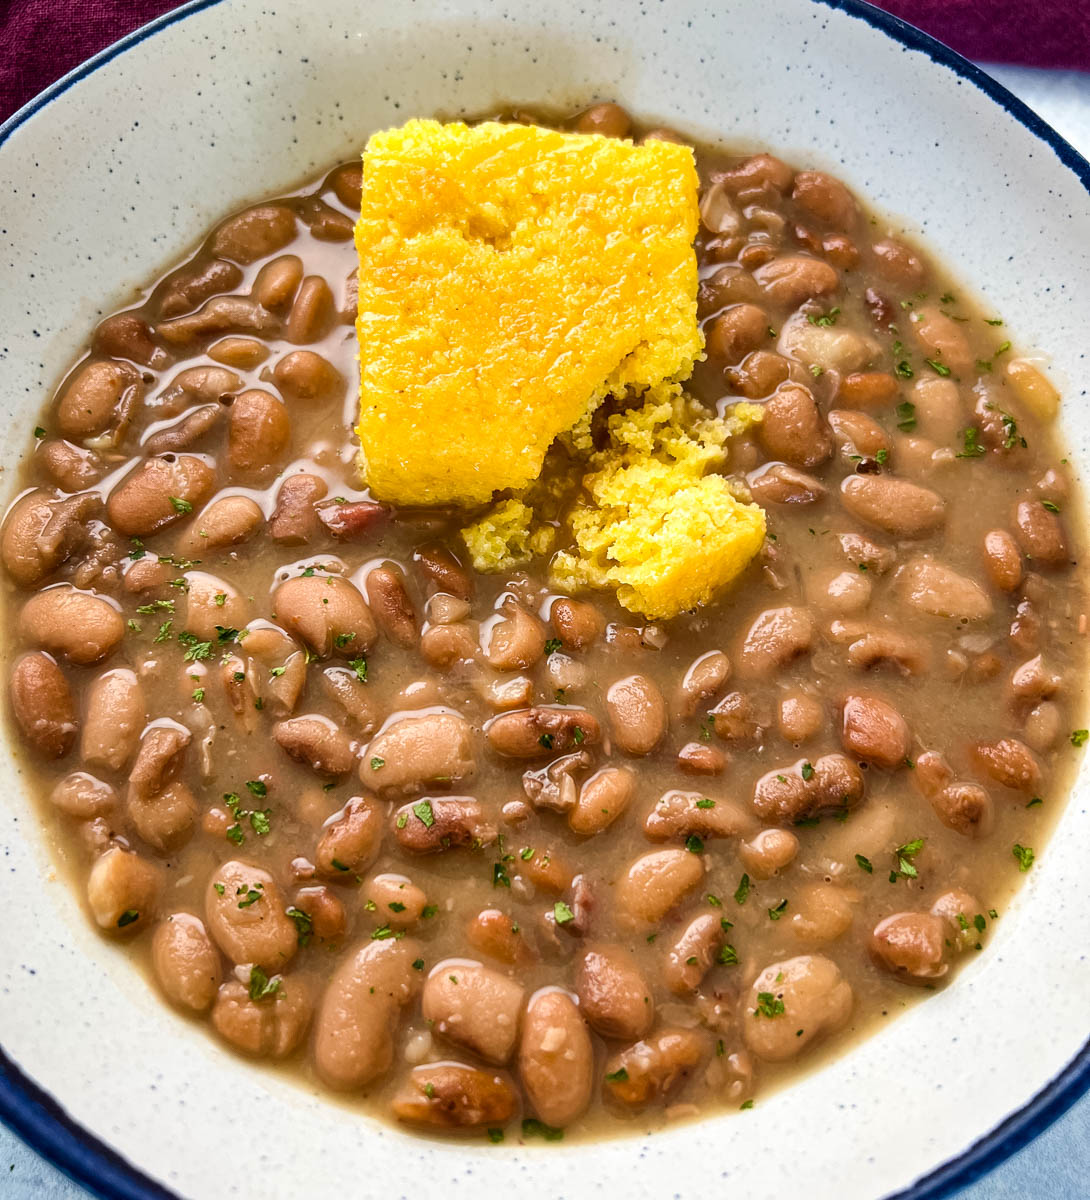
{"x": 488, "y": 858}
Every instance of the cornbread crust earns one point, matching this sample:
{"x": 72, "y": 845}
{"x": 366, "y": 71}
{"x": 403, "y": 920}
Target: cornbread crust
{"x": 510, "y": 278}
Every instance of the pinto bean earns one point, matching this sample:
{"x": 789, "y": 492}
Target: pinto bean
{"x": 492, "y": 932}
{"x": 768, "y": 852}
{"x": 1009, "y": 762}
{"x": 277, "y": 281}
{"x": 800, "y": 716}
{"x": 735, "y": 332}
{"x": 328, "y": 919}
{"x": 965, "y": 808}
{"x": 317, "y": 742}
{"x": 352, "y": 522}
{"x": 188, "y": 288}
{"x": 268, "y": 1027}
{"x": 123, "y": 891}
{"x": 758, "y": 375}
{"x": 454, "y": 1096}
{"x": 655, "y": 882}
{"x": 391, "y": 606}
{"x": 327, "y": 613}
{"x": 82, "y": 628}
{"x": 416, "y": 751}
{"x": 294, "y": 521}
{"x": 186, "y": 963}
{"x": 857, "y": 434}
{"x": 116, "y": 716}
{"x": 303, "y": 376}
{"x": 577, "y": 623}
{"x": 911, "y": 945}
{"x": 353, "y": 1034}
{"x": 247, "y": 919}
{"x": 516, "y": 641}
{"x": 187, "y": 432}
{"x": 531, "y": 732}
{"x": 826, "y": 198}
{"x": 872, "y": 729}
{"x": 873, "y": 645}
{"x": 793, "y": 429}
{"x": 867, "y": 390}
{"x": 398, "y": 902}
{"x": 805, "y": 789}
{"x": 934, "y": 588}
{"x": 727, "y": 285}
{"x": 829, "y": 348}
{"x": 554, "y": 786}
{"x": 793, "y": 278}
{"x": 652, "y": 1068}
{"x": 42, "y": 703}
{"x": 254, "y": 233}
{"x": 1040, "y": 534}
{"x": 603, "y": 798}
{"x": 942, "y": 339}
{"x": 692, "y": 953}
{"x": 637, "y": 714}
{"x": 260, "y": 431}
{"x": 99, "y": 396}
{"x": 441, "y": 569}
{"x": 40, "y": 533}
{"x": 775, "y": 637}
{"x": 211, "y": 605}
{"x": 823, "y": 913}
{"x": 158, "y": 493}
{"x": 738, "y": 719}
{"x": 1002, "y": 560}
{"x": 442, "y": 646}
{"x": 222, "y": 314}
{"x": 83, "y": 796}
{"x": 71, "y": 467}
{"x": 893, "y": 505}
{"x": 312, "y": 312}
{"x": 704, "y": 677}
{"x": 815, "y": 1001}
{"x": 608, "y": 119}
{"x": 681, "y": 814}
{"x": 474, "y": 1006}
{"x": 226, "y": 522}
{"x": 556, "y": 1059}
{"x": 246, "y": 354}
{"x": 613, "y": 994}
{"x": 160, "y": 757}
{"x": 454, "y": 821}
{"x": 344, "y": 686}
{"x": 777, "y": 483}
{"x": 350, "y": 839}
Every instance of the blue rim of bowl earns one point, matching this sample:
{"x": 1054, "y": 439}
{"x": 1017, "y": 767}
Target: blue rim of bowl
{"x": 41, "y": 1122}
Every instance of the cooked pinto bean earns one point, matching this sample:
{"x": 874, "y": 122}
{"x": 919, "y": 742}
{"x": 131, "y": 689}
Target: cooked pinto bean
{"x": 932, "y": 587}
{"x": 777, "y": 636}
{"x": 637, "y": 714}
{"x": 269, "y": 1027}
{"x": 736, "y": 331}
{"x": 116, "y": 716}
{"x": 737, "y": 719}
{"x": 857, "y": 434}
{"x": 391, "y": 606}
{"x": 777, "y": 483}
{"x": 398, "y": 901}
{"x": 100, "y": 396}
{"x": 453, "y": 1096}
{"x": 872, "y": 729}
{"x": 685, "y": 814}
{"x": 444, "y": 571}
{"x": 531, "y": 732}
{"x": 328, "y": 613}
{"x": 83, "y": 796}
{"x": 577, "y": 623}
{"x": 652, "y": 1068}
{"x": 493, "y": 933}
{"x": 416, "y": 751}
{"x": 246, "y": 919}
{"x": 806, "y": 789}
{"x": 226, "y": 522}
{"x": 295, "y": 519}
{"x": 867, "y": 390}
{"x": 793, "y": 278}
{"x": 473, "y": 1006}
{"x": 825, "y": 198}
{"x": 793, "y": 1003}
{"x": 516, "y": 641}
{"x": 1003, "y": 560}
{"x": 442, "y": 823}
{"x": 241, "y": 352}
{"x": 352, "y": 522}
{"x": 123, "y": 891}
{"x": 893, "y": 505}
{"x": 870, "y": 646}
{"x": 222, "y": 314}
{"x": 942, "y": 338}
{"x": 912, "y": 946}
{"x": 312, "y": 312}
{"x": 768, "y": 852}
{"x": 71, "y": 467}
{"x": 316, "y": 741}
{"x": 1040, "y": 533}
{"x": 608, "y": 119}
{"x": 800, "y": 716}
{"x": 186, "y": 963}
{"x": 703, "y": 678}
{"x": 556, "y": 1059}
{"x": 692, "y": 953}
{"x": 603, "y": 798}
{"x": 1009, "y": 762}
{"x": 187, "y": 289}
{"x": 793, "y": 429}
{"x": 328, "y": 919}
{"x": 727, "y": 285}
{"x": 43, "y": 706}
{"x": 277, "y": 282}
{"x": 350, "y": 839}
{"x": 158, "y": 493}
{"x": 40, "y": 534}
{"x": 613, "y": 995}
{"x": 759, "y": 374}
{"x": 823, "y": 913}
{"x": 211, "y": 605}
{"x": 353, "y": 1033}
{"x": 305, "y": 376}
{"x": 260, "y": 431}
{"x": 255, "y": 233}
{"x": 655, "y": 882}
{"x": 82, "y": 628}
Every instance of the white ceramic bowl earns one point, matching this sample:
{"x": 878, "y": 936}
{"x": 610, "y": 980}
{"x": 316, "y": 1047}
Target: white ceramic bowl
{"x": 116, "y": 171}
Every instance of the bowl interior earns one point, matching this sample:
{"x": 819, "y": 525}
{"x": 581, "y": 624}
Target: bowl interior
{"x": 125, "y": 169}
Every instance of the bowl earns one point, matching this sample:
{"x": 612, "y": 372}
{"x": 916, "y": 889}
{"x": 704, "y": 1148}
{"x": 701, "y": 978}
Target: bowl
{"x": 118, "y": 169}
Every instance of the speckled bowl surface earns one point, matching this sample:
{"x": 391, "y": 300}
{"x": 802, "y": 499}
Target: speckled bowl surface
{"x": 118, "y": 170}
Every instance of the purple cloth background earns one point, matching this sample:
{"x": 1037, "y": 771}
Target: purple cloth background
{"x": 42, "y": 39}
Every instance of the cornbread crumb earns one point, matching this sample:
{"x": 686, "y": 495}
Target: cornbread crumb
{"x": 662, "y": 532}
{"x": 510, "y": 278}
{"x": 506, "y": 536}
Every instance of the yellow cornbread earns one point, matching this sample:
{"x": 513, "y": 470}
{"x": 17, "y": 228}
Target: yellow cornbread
{"x": 510, "y": 278}
{"x": 658, "y": 529}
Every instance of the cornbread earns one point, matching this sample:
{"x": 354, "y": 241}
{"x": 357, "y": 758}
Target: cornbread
{"x": 657, "y": 528}
{"x": 511, "y": 277}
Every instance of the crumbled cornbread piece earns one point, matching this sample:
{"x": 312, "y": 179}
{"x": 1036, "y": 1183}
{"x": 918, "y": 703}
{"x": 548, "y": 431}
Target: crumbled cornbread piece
{"x": 506, "y": 536}
{"x": 659, "y": 529}
{"x": 510, "y": 278}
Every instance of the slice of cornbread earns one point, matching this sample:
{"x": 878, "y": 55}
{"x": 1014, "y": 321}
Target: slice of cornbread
{"x": 657, "y": 528}
{"x": 510, "y": 278}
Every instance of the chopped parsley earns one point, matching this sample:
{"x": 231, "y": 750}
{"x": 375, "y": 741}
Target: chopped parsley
{"x": 342, "y": 639}
{"x": 495, "y": 1136}
{"x": 904, "y": 370}
{"x": 971, "y": 447}
{"x": 864, "y": 864}
{"x": 1050, "y": 506}
{"x": 825, "y": 320}
{"x": 768, "y": 1005}
{"x": 304, "y": 925}
{"x": 618, "y": 1076}
{"x": 906, "y": 416}
{"x": 807, "y": 771}
{"x": 179, "y": 505}
{"x": 727, "y": 956}
{"x": 714, "y": 901}
{"x": 261, "y": 986}
{"x": 694, "y": 844}
{"x": 384, "y": 932}
{"x": 531, "y": 1127}
{"x": 704, "y": 802}
{"x": 1010, "y": 428}
{"x": 938, "y": 367}
{"x": 500, "y": 878}
{"x": 256, "y": 787}
{"x": 526, "y": 853}
{"x": 774, "y": 914}
{"x": 198, "y": 695}
{"x": 546, "y": 740}
{"x": 1079, "y": 736}
{"x": 742, "y": 890}
{"x": 562, "y": 913}
{"x": 359, "y": 665}
{"x": 376, "y": 763}
{"x": 902, "y": 858}
{"x": 155, "y": 606}
{"x": 552, "y": 645}
{"x": 1025, "y": 856}
{"x": 127, "y": 918}
{"x": 424, "y": 812}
